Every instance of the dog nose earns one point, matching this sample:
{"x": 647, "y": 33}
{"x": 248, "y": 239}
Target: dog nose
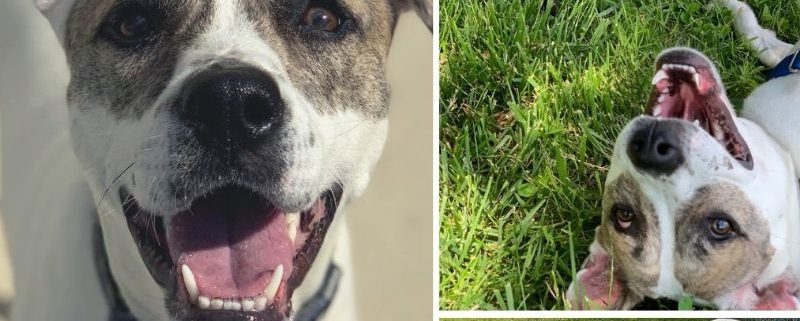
{"x": 233, "y": 104}
{"x": 655, "y": 147}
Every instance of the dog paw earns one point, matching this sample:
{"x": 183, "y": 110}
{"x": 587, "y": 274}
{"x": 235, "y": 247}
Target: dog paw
{"x": 779, "y": 295}
{"x": 594, "y": 286}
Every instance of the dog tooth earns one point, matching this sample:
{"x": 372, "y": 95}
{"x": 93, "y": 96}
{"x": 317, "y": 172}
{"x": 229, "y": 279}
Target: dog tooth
{"x": 216, "y": 304}
{"x": 661, "y": 98}
{"x": 657, "y": 111}
{"x": 260, "y": 304}
{"x": 189, "y": 281}
{"x": 231, "y": 304}
{"x": 203, "y": 302}
{"x": 292, "y": 224}
{"x": 696, "y": 122}
{"x": 661, "y": 74}
{"x": 696, "y": 78}
{"x": 248, "y": 305}
{"x": 274, "y": 283}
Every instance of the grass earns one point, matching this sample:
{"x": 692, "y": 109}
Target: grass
{"x": 533, "y": 93}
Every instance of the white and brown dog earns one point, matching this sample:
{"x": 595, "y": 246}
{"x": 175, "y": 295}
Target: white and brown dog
{"x": 219, "y": 140}
{"x": 698, "y": 201}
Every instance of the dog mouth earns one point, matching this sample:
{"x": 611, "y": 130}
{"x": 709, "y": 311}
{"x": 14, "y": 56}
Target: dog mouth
{"x": 684, "y": 87}
{"x": 230, "y": 254}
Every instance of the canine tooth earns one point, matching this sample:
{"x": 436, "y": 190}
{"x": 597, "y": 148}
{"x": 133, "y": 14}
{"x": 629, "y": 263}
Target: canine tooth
{"x": 661, "y": 98}
{"x": 260, "y": 304}
{"x": 661, "y": 74}
{"x": 274, "y": 283}
{"x": 203, "y": 302}
{"x": 657, "y": 111}
{"x": 292, "y": 223}
{"x": 248, "y": 305}
{"x": 696, "y": 122}
{"x": 216, "y": 304}
{"x": 696, "y": 78}
{"x": 189, "y": 281}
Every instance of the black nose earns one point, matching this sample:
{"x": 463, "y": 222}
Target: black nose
{"x": 655, "y": 147}
{"x": 232, "y": 105}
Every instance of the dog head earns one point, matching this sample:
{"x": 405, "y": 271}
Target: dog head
{"x": 219, "y": 138}
{"x": 695, "y": 199}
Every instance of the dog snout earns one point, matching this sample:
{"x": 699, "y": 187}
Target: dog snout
{"x": 655, "y": 147}
{"x": 240, "y": 105}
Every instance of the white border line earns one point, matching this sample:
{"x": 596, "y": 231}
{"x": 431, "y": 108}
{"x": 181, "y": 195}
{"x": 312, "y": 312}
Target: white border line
{"x": 435, "y": 146}
{"x": 617, "y": 314}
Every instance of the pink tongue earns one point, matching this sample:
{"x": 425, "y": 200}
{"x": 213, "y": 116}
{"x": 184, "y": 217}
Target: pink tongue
{"x": 232, "y": 243}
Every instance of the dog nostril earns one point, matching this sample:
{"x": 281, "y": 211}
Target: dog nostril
{"x": 664, "y": 149}
{"x": 259, "y": 114}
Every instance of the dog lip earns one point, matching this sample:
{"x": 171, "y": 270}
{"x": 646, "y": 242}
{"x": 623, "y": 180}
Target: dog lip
{"x": 155, "y": 249}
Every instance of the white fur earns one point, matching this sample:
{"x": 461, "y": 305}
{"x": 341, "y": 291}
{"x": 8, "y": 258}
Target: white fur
{"x": 770, "y": 49}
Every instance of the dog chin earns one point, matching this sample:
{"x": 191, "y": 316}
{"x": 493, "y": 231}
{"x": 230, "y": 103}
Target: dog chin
{"x": 230, "y": 254}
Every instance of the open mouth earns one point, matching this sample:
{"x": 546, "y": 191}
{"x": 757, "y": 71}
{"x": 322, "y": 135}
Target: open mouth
{"x": 231, "y": 254}
{"x": 685, "y": 87}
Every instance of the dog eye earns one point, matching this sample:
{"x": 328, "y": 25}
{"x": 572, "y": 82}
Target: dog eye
{"x": 133, "y": 26}
{"x": 624, "y": 216}
{"x": 720, "y": 228}
{"x": 128, "y": 26}
{"x": 319, "y": 18}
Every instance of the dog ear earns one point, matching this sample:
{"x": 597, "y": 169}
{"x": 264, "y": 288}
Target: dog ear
{"x": 595, "y": 288}
{"x": 56, "y": 12}
{"x": 424, "y": 9}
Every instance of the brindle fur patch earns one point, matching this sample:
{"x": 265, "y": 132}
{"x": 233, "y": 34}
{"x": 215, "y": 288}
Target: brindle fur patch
{"x": 336, "y": 72}
{"x": 709, "y": 268}
{"x": 635, "y": 255}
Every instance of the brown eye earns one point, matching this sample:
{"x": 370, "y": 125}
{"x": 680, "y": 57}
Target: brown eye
{"x": 720, "y": 228}
{"x": 319, "y": 18}
{"x": 624, "y": 217}
{"x": 133, "y": 26}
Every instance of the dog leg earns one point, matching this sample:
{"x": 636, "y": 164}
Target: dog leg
{"x": 771, "y": 50}
{"x": 595, "y": 285}
{"x": 778, "y": 295}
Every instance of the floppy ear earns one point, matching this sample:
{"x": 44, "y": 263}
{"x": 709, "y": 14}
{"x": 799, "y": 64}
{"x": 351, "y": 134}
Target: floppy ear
{"x": 56, "y": 12}
{"x": 424, "y": 9}
{"x": 595, "y": 287}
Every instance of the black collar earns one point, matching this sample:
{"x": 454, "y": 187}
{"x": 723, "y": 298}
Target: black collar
{"x": 312, "y": 310}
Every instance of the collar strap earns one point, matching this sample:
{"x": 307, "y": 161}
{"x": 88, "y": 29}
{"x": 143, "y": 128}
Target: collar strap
{"x": 787, "y": 66}
{"x": 312, "y": 310}
{"x": 315, "y": 308}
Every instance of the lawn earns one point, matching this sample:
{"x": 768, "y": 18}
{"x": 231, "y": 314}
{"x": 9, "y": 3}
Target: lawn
{"x": 533, "y": 93}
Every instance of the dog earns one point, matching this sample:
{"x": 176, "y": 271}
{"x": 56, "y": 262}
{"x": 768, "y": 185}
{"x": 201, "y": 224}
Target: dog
{"x": 700, "y": 202}
{"x": 215, "y": 145}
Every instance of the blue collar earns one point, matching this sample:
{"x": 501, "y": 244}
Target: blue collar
{"x": 787, "y": 66}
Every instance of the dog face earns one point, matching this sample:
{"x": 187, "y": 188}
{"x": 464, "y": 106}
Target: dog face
{"x": 219, "y": 138}
{"x": 694, "y": 202}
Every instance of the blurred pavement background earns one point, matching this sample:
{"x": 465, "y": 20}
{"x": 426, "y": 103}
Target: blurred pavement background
{"x": 392, "y": 223}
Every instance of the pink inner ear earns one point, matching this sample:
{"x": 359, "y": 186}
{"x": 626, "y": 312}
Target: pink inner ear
{"x": 778, "y": 296}
{"x": 595, "y": 280}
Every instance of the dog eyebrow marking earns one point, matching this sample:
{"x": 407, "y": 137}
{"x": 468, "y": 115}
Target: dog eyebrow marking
{"x": 636, "y": 254}
{"x": 127, "y": 82}
{"x": 700, "y": 260}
